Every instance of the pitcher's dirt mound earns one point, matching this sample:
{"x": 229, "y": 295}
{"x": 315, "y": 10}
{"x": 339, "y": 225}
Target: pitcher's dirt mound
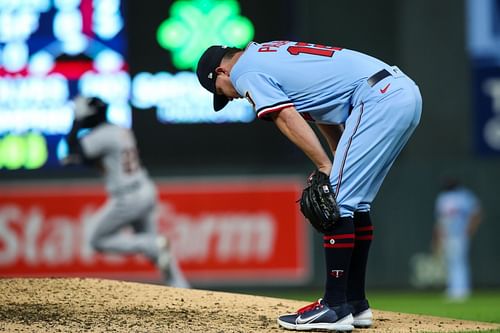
{"x": 90, "y": 305}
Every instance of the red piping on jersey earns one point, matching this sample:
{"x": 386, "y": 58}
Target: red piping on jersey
{"x": 264, "y": 112}
{"x": 339, "y": 181}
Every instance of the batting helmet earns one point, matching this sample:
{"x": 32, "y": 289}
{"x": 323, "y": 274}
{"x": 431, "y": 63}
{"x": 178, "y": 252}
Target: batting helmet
{"x": 89, "y": 110}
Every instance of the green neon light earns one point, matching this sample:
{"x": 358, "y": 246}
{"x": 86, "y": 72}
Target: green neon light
{"x": 13, "y": 152}
{"x": 194, "y": 25}
{"x": 23, "y": 151}
{"x": 37, "y": 153}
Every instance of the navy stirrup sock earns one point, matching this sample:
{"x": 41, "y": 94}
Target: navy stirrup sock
{"x": 363, "y": 230}
{"x": 338, "y": 246}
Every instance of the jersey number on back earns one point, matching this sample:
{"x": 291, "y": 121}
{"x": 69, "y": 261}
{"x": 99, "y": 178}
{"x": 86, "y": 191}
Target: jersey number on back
{"x": 314, "y": 49}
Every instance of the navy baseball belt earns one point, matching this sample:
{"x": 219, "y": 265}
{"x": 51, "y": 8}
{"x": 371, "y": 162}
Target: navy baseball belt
{"x": 377, "y": 77}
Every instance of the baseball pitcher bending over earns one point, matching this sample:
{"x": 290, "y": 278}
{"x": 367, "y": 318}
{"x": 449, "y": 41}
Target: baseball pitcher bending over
{"x": 366, "y": 110}
{"x": 132, "y": 197}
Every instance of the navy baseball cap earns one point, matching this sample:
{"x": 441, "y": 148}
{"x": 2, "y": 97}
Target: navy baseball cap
{"x": 207, "y": 64}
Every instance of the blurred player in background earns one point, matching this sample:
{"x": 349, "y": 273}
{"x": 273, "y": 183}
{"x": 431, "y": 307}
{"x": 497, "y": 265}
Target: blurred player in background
{"x": 458, "y": 214}
{"x": 132, "y": 197}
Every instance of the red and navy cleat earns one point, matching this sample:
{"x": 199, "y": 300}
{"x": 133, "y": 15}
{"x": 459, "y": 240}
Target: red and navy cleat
{"x": 319, "y": 316}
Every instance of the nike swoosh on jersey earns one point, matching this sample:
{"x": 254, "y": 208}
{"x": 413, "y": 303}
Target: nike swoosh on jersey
{"x": 302, "y": 320}
{"x": 383, "y": 90}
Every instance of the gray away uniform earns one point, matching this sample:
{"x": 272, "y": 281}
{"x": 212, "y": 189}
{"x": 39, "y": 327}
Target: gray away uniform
{"x": 132, "y": 198}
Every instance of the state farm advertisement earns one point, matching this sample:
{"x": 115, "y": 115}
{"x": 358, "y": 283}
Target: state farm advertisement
{"x": 230, "y": 231}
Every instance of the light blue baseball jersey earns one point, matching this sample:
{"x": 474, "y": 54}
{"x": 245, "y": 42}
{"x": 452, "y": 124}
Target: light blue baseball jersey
{"x": 454, "y": 210}
{"x": 330, "y": 85}
{"x": 319, "y": 81}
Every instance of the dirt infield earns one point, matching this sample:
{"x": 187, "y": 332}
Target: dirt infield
{"x": 91, "y": 305}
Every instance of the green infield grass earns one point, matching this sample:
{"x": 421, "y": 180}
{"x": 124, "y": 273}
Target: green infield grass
{"x": 480, "y": 306}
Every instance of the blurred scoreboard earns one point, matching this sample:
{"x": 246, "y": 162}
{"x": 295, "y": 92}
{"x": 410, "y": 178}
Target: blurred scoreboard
{"x": 483, "y": 41}
{"x": 49, "y": 52}
{"x": 139, "y": 57}
{"x": 52, "y": 50}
